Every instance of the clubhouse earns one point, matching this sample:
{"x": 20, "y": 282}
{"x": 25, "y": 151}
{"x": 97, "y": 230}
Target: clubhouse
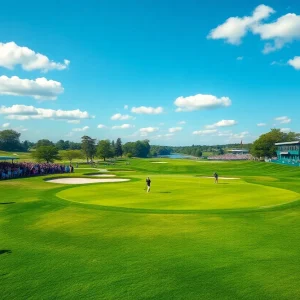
{"x": 288, "y": 153}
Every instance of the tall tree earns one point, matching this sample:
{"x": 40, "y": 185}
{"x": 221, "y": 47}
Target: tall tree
{"x": 88, "y": 146}
{"x": 44, "y": 142}
{"x": 104, "y": 149}
{"x": 46, "y": 153}
{"x": 10, "y": 140}
{"x": 118, "y": 148}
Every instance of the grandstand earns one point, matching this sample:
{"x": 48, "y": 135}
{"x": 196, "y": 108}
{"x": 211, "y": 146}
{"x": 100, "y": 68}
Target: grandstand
{"x": 288, "y": 153}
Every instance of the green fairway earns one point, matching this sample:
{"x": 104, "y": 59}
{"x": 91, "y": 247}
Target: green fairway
{"x": 187, "y": 239}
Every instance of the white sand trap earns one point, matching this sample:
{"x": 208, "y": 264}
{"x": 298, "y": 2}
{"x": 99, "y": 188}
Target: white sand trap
{"x": 103, "y": 175}
{"x": 224, "y": 178}
{"x": 85, "y": 180}
{"x": 159, "y": 162}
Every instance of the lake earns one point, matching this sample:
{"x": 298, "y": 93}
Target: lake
{"x": 176, "y": 155}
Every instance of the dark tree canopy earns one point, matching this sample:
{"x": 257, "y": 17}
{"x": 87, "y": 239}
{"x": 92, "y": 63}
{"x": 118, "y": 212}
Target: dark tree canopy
{"x": 44, "y": 142}
{"x": 104, "y": 149}
{"x": 137, "y": 149}
{"x": 118, "y": 148}
{"x": 264, "y": 146}
{"x": 10, "y": 140}
{"x": 88, "y": 146}
{"x": 46, "y": 153}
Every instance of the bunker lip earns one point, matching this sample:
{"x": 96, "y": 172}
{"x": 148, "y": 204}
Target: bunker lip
{"x": 86, "y": 180}
{"x": 102, "y": 175}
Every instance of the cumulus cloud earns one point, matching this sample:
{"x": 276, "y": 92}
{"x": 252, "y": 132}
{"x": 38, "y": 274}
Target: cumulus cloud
{"x": 24, "y": 112}
{"x": 124, "y": 126}
{"x": 11, "y": 55}
{"x": 175, "y": 129}
{"x": 200, "y": 101}
{"x": 121, "y": 117}
{"x": 261, "y": 124}
{"x": 295, "y": 62}
{"x": 40, "y": 88}
{"x": 73, "y": 121}
{"x": 239, "y": 135}
{"x": 5, "y": 125}
{"x": 283, "y": 120}
{"x": 235, "y": 28}
{"x": 284, "y": 30}
{"x": 101, "y": 126}
{"x": 223, "y": 123}
{"x": 285, "y": 130}
{"x": 205, "y": 132}
{"x": 147, "y": 110}
{"x": 149, "y": 129}
{"x": 85, "y": 128}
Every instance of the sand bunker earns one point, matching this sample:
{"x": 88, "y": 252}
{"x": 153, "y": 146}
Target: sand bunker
{"x": 85, "y": 180}
{"x": 159, "y": 162}
{"x": 224, "y": 178}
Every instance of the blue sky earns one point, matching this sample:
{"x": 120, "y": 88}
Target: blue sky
{"x": 186, "y": 72}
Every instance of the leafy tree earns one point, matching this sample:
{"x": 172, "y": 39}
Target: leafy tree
{"x": 198, "y": 152}
{"x": 88, "y": 146}
{"x": 10, "y": 140}
{"x": 46, "y": 153}
{"x": 74, "y": 146}
{"x": 138, "y": 148}
{"x": 72, "y": 154}
{"x": 26, "y": 145}
{"x": 62, "y": 145}
{"x": 104, "y": 149}
{"x": 118, "y": 148}
{"x": 264, "y": 146}
{"x": 44, "y": 142}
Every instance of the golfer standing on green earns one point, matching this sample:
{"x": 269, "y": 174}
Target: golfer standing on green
{"x": 216, "y": 177}
{"x": 148, "y": 182}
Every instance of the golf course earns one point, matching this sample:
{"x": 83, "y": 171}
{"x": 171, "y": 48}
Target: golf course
{"x": 188, "y": 238}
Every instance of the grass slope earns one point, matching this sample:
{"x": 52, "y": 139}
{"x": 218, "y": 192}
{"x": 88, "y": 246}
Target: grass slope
{"x": 56, "y": 249}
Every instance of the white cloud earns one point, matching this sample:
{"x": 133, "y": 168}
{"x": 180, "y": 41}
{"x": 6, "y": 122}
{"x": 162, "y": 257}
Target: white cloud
{"x": 261, "y": 124}
{"x": 161, "y": 124}
{"x": 181, "y": 122}
{"x": 239, "y": 135}
{"x": 285, "y": 130}
{"x": 101, "y": 126}
{"x": 223, "y": 123}
{"x": 11, "y": 55}
{"x": 283, "y": 120}
{"x": 205, "y": 132}
{"x": 40, "y": 88}
{"x": 240, "y": 58}
{"x": 200, "y": 101}
{"x": 175, "y": 129}
{"x": 295, "y": 62}
{"x": 124, "y": 126}
{"x": 126, "y": 107}
{"x": 20, "y": 128}
{"x": 284, "y": 30}
{"x": 121, "y": 117}
{"x": 85, "y": 128}
{"x": 147, "y": 110}
{"x": 24, "y": 112}
{"x": 235, "y": 28}
{"x": 73, "y": 121}
{"x": 148, "y": 129}
{"x": 5, "y": 125}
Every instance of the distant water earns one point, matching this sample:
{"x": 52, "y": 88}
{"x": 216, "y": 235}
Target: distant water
{"x": 176, "y": 155}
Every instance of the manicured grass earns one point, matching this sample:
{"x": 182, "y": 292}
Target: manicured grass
{"x": 53, "y": 248}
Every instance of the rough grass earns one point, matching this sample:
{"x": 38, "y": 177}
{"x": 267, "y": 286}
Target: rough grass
{"x": 57, "y": 249}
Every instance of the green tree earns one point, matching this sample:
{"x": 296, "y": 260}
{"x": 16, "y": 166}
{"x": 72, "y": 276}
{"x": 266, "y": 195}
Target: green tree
{"x": 198, "y": 152}
{"x": 264, "y": 146}
{"x": 10, "y": 140}
{"x": 88, "y": 146}
{"x": 46, "y": 153}
{"x": 104, "y": 149}
{"x": 118, "y": 148}
{"x": 71, "y": 154}
{"x": 43, "y": 142}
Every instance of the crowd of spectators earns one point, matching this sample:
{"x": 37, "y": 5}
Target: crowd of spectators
{"x": 16, "y": 170}
{"x": 229, "y": 156}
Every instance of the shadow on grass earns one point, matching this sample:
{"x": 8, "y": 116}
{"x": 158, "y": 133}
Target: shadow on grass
{"x": 4, "y": 203}
{"x": 5, "y": 252}
{"x": 165, "y": 192}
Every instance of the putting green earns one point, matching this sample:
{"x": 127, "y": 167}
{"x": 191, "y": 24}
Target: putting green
{"x": 180, "y": 193}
